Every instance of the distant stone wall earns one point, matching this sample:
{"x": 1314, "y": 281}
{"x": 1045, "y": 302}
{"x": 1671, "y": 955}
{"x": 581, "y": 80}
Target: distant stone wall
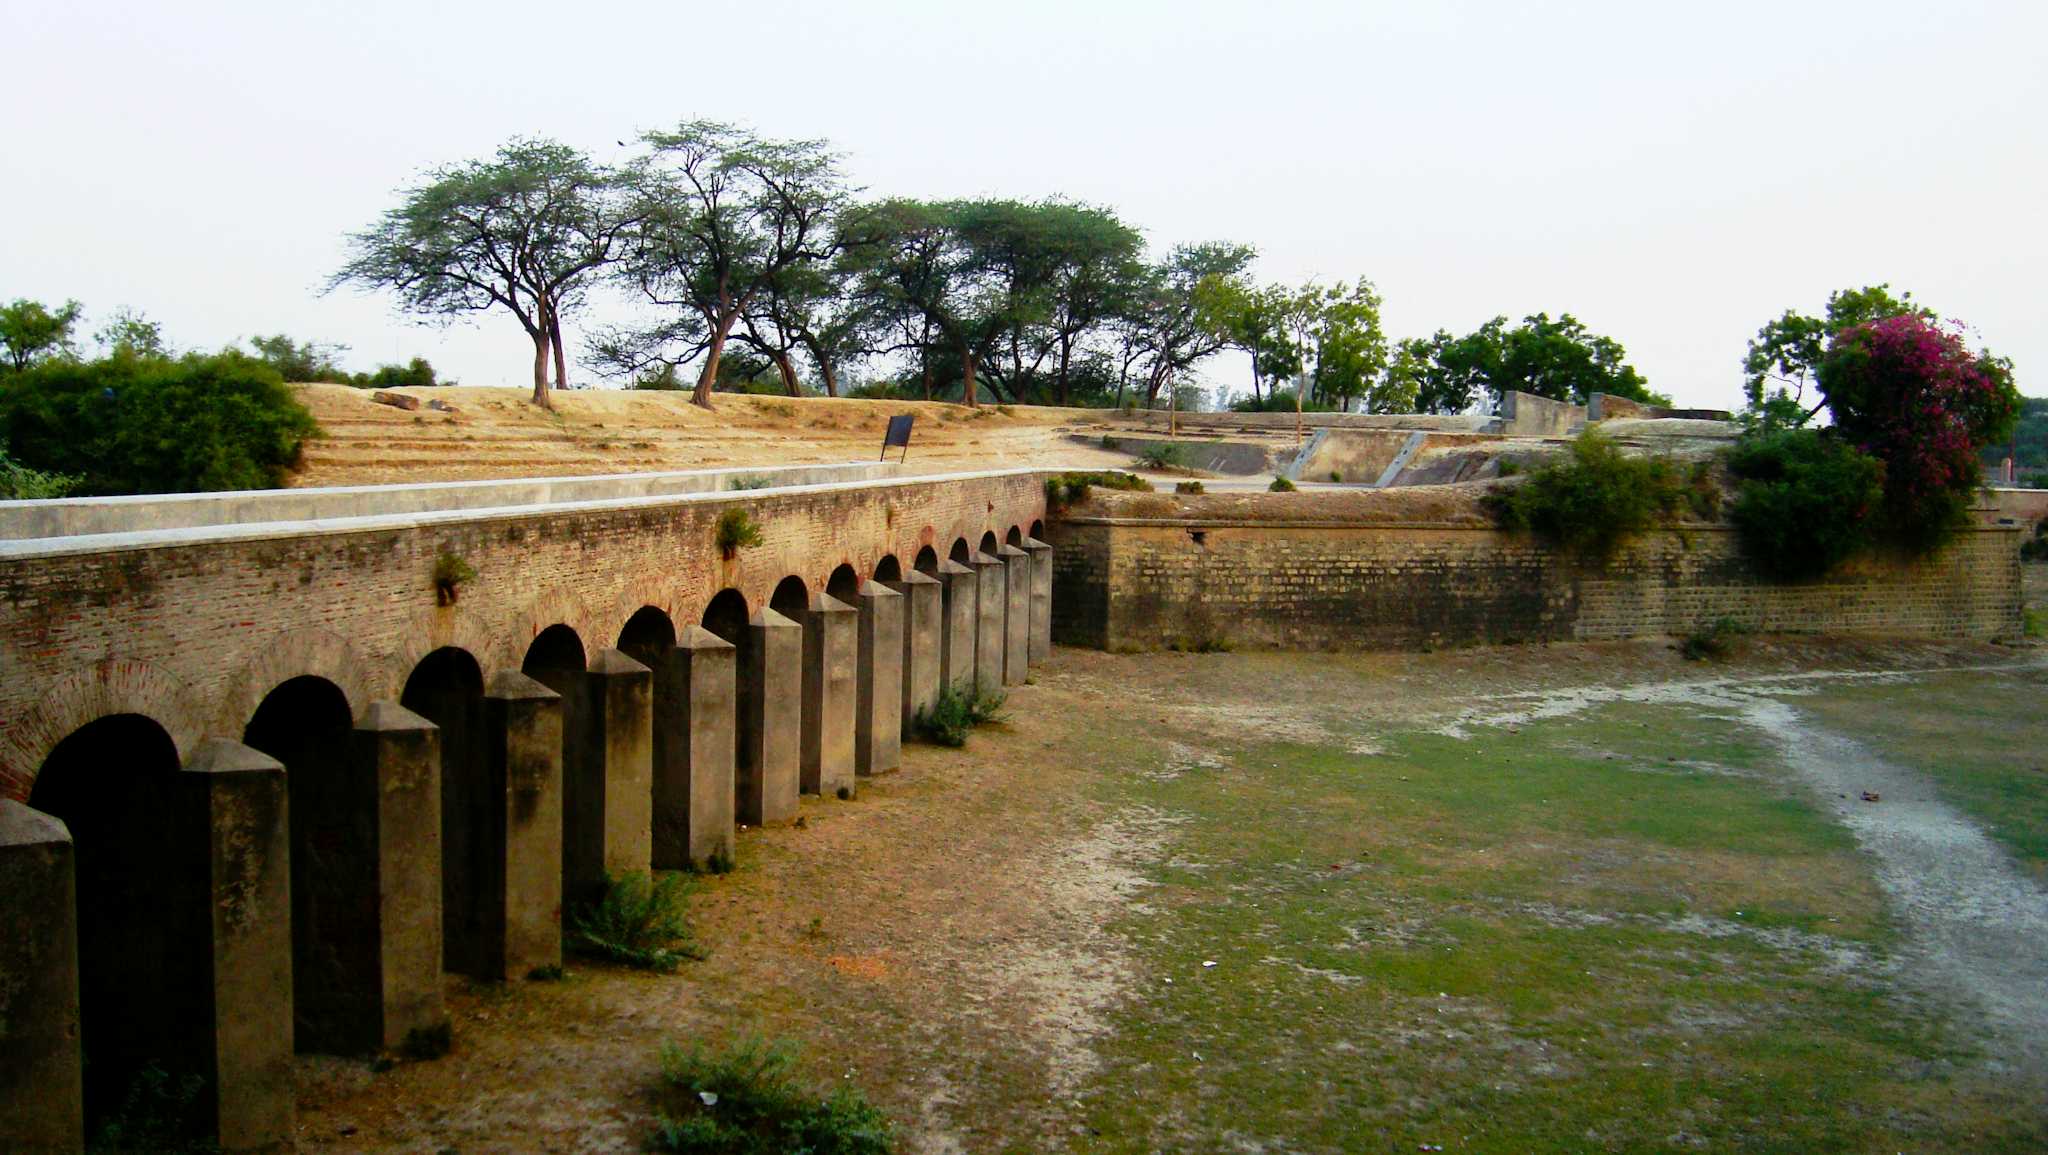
{"x": 1125, "y": 584}
{"x": 1608, "y": 407}
{"x": 1528, "y": 415}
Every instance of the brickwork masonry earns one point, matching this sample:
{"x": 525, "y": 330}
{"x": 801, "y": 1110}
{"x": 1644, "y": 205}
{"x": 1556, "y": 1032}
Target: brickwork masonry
{"x": 1131, "y": 584}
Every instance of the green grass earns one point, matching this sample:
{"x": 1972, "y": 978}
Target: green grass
{"x": 745, "y": 1099}
{"x": 1980, "y": 738}
{"x": 1624, "y": 930}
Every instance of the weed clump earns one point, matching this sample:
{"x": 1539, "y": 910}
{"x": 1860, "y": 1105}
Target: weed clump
{"x": 1806, "y": 502}
{"x": 422, "y": 1044}
{"x": 1280, "y": 485}
{"x": 158, "y": 1114}
{"x": 1164, "y": 455}
{"x": 1188, "y": 487}
{"x": 451, "y": 573}
{"x": 1713, "y": 640}
{"x": 737, "y": 531}
{"x": 745, "y": 1100}
{"x": 946, "y": 721}
{"x": 639, "y": 921}
{"x": 750, "y": 481}
{"x": 1598, "y": 495}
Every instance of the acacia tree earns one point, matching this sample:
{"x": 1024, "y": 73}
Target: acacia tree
{"x": 1180, "y": 319}
{"x": 525, "y": 231}
{"x": 1789, "y": 350}
{"x": 1095, "y": 267}
{"x": 33, "y": 332}
{"x": 1443, "y": 373}
{"x": 721, "y": 216}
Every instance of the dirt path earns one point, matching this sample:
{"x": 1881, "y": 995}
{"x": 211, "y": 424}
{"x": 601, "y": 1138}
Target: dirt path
{"x": 1977, "y": 926}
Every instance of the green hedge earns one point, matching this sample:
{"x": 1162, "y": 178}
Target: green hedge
{"x": 1805, "y": 501}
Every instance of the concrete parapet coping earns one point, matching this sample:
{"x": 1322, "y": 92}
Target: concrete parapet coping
{"x": 135, "y": 513}
{"x": 259, "y": 531}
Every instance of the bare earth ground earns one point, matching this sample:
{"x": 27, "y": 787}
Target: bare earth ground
{"x": 497, "y": 432}
{"x": 1564, "y": 898}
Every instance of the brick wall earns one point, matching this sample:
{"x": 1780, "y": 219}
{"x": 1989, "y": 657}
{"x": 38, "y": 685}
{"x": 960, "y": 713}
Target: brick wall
{"x": 1129, "y": 584}
{"x": 193, "y": 627}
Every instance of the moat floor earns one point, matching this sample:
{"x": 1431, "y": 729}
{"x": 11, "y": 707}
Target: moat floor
{"x": 1560, "y": 898}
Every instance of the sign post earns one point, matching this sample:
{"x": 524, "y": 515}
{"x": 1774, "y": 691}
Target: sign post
{"x": 899, "y": 434}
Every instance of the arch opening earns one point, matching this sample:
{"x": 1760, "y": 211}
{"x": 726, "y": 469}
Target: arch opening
{"x": 1038, "y": 530}
{"x": 726, "y": 616}
{"x": 888, "y": 569}
{"x": 304, "y": 722}
{"x": 791, "y": 598}
{"x": 927, "y": 562}
{"x": 988, "y": 543}
{"x": 843, "y": 585}
{"x": 145, "y": 965}
{"x": 447, "y": 689}
{"x": 1015, "y": 537}
{"x": 555, "y": 659}
{"x": 960, "y": 552}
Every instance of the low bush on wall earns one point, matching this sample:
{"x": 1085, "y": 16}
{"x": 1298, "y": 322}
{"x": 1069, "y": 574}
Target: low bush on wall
{"x": 1068, "y": 489}
{"x": 1806, "y": 500}
{"x": 1597, "y": 496}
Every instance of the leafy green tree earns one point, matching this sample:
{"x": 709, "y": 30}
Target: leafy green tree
{"x": 1565, "y": 361}
{"x": 154, "y": 424}
{"x": 1443, "y": 373}
{"x": 301, "y": 361}
{"x": 721, "y": 218}
{"x": 1350, "y": 350}
{"x": 1788, "y": 351}
{"x": 1180, "y": 317}
{"x": 1255, "y": 319}
{"x": 130, "y": 334}
{"x": 31, "y": 331}
{"x": 1094, "y": 270}
{"x": 525, "y": 231}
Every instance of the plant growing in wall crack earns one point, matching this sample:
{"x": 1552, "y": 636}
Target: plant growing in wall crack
{"x": 450, "y": 574}
{"x": 736, "y": 531}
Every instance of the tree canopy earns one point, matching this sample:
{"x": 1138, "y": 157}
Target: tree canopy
{"x": 1788, "y": 351}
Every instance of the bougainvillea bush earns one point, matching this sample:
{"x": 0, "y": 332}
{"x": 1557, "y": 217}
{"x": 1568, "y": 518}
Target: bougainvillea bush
{"x": 1909, "y": 392}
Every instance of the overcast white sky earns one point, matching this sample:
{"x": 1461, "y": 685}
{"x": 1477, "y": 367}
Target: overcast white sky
{"x": 1674, "y": 176}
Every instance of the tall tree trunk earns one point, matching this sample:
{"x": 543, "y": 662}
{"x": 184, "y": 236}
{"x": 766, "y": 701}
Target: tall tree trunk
{"x": 540, "y": 366}
{"x": 555, "y": 336}
{"x": 1255, "y": 375}
{"x": 968, "y": 389}
{"x": 1066, "y": 361}
{"x": 709, "y": 377}
{"x": 787, "y": 369}
{"x": 830, "y": 373}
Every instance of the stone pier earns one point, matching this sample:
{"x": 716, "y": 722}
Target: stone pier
{"x": 1016, "y": 614}
{"x": 991, "y": 608}
{"x": 615, "y": 834}
{"x": 42, "y": 1094}
{"x": 878, "y": 683}
{"x": 959, "y": 625}
{"x": 1041, "y": 598}
{"x": 693, "y": 791}
{"x": 924, "y": 609}
{"x": 771, "y": 691}
{"x": 237, "y": 796}
{"x": 523, "y": 773}
{"x": 831, "y": 653}
{"x": 397, "y": 754}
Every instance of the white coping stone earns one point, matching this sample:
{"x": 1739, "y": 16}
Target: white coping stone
{"x": 270, "y": 530}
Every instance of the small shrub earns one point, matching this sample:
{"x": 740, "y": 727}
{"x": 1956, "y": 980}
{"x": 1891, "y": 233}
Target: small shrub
{"x": 1509, "y": 467}
{"x": 2035, "y": 622}
{"x": 1065, "y": 489}
{"x": 1188, "y": 487}
{"x": 1598, "y": 495}
{"x": 750, "y": 481}
{"x": 1280, "y": 485}
{"x": 1164, "y": 455}
{"x": 639, "y": 921}
{"x": 1710, "y": 641}
{"x": 1806, "y": 501}
{"x": 1109, "y": 442}
{"x": 884, "y": 391}
{"x": 157, "y": 1114}
{"x": 946, "y": 721}
{"x": 451, "y": 573}
{"x": 423, "y": 1044}
{"x": 20, "y": 483}
{"x": 718, "y": 862}
{"x": 745, "y": 1100}
{"x": 737, "y": 531}
{"x": 1336, "y": 476}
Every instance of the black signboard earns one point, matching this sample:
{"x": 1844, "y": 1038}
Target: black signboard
{"x": 899, "y": 434}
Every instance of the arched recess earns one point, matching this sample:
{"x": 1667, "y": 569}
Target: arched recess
{"x": 447, "y": 689}
{"x": 726, "y": 616}
{"x": 844, "y": 585}
{"x": 647, "y": 636}
{"x": 888, "y": 569}
{"x": 555, "y": 660}
{"x": 988, "y": 543}
{"x": 927, "y": 562}
{"x": 145, "y": 965}
{"x": 1038, "y": 530}
{"x": 791, "y": 598}
{"x": 960, "y": 551}
{"x": 304, "y": 722}
{"x": 1015, "y": 537}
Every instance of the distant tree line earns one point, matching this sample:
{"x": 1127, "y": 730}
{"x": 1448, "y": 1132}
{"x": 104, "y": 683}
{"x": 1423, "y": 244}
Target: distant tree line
{"x": 753, "y": 266}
